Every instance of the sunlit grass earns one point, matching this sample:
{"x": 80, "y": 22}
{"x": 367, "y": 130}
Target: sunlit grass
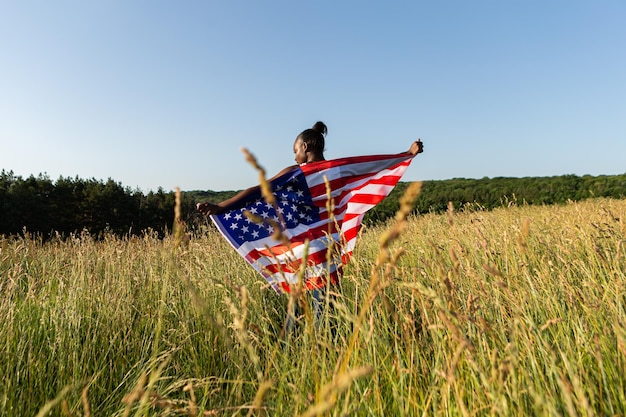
{"x": 517, "y": 311}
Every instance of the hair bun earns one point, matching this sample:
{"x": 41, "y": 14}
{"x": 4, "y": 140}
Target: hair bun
{"x": 320, "y": 127}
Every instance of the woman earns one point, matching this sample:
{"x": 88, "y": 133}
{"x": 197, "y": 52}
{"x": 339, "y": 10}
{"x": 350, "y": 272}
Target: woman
{"x": 316, "y": 241}
{"x": 308, "y": 147}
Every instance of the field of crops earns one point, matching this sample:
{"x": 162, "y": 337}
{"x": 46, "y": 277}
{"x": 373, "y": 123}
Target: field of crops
{"x": 512, "y": 312}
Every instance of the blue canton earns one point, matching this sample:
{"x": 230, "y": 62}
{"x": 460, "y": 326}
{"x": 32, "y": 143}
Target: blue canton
{"x": 294, "y": 205}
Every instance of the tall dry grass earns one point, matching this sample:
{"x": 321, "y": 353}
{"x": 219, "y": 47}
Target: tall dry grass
{"x": 518, "y": 311}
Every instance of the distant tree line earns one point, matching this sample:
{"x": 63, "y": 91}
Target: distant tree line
{"x": 70, "y": 205}
{"x": 489, "y": 193}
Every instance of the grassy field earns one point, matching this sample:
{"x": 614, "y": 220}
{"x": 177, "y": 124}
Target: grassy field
{"x": 512, "y": 312}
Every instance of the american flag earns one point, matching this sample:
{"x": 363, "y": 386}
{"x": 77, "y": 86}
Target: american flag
{"x": 318, "y": 241}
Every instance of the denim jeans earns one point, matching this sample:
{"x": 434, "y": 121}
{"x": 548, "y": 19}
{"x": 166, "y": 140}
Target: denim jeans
{"x": 318, "y": 299}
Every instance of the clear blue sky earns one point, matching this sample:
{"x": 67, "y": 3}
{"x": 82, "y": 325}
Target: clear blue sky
{"x": 165, "y": 93}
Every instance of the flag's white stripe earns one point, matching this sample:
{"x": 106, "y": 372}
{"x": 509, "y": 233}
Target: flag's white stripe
{"x": 355, "y": 208}
{"x": 270, "y": 241}
{"x": 298, "y": 250}
{"x": 311, "y": 270}
{"x": 374, "y": 190}
{"x": 393, "y": 166}
{"x": 398, "y": 171}
{"x": 354, "y": 169}
{"x": 355, "y": 222}
{"x": 348, "y": 247}
{"x": 292, "y": 278}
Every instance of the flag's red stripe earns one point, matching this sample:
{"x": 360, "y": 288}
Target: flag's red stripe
{"x": 341, "y": 178}
{"x": 317, "y": 258}
{"x": 294, "y": 243}
{"x": 367, "y": 198}
{"x": 336, "y": 186}
{"x": 324, "y": 165}
{"x": 351, "y": 233}
{"x": 357, "y": 184}
{"x": 343, "y": 185}
{"x": 313, "y": 282}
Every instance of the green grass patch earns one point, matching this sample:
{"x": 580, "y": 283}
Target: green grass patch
{"x": 516, "y": 311}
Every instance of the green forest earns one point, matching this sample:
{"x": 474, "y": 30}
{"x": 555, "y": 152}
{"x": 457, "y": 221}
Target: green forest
{"x": 46, "y": 207}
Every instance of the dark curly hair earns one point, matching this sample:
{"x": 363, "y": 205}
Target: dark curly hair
{"x": 314, "y": 138}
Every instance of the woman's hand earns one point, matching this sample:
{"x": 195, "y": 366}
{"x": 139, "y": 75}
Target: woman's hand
{"x": 416, "y": 147}
{"x": 208, "y": 208}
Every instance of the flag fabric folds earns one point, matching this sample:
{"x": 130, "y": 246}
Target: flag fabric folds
{"x": 319, "y": 233}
